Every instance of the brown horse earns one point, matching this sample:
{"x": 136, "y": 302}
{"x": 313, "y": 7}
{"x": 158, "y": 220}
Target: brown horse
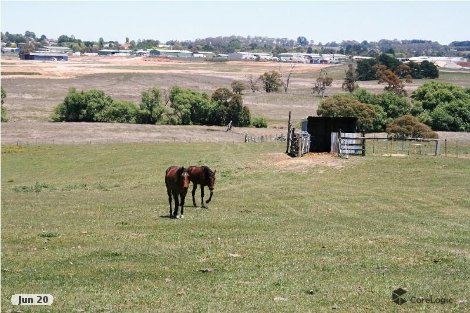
{"x": 204, "y": 176}
{"x": 177, "y": 183}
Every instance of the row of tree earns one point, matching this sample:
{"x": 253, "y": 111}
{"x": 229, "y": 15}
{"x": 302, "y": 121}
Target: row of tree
{"x": 367, "y": 69}
{"x": 179, "y": 106}
{"x": 440, "y": 106}
{"x": 229, "y": 44}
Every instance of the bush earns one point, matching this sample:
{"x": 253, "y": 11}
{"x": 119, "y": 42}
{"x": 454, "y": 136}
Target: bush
{"x": 190, "y": 107}
{"x": 365, "y": 69}
{"x": 118, "y": 111}
{"x": 81, "y": 106}
{"x": 271, "y": 81}
{"x": 443, "y": 106}
{"x": 238, "y": 86}
{"x": 151, "y": 108}
{"x": 4, "y": 114}
{"x": 229, "y": 107}
{"x": 259, "y": 122}
{"x": 392, "y": 104}
{"x": 408, "y": 126}
{"x": 346, "y": 106}
{"x": 4, "y": 111}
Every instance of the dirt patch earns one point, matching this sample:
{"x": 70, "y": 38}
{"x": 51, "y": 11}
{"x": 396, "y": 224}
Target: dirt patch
{"x": 36, "y": 132}
{"x": 284, "y": 163}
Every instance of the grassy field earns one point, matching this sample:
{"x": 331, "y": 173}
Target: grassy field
{"x": 89, "y": 224}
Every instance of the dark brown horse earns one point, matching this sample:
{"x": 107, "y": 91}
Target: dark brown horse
{"x": 177, "y": 183}
{"x": 204, "y": 176}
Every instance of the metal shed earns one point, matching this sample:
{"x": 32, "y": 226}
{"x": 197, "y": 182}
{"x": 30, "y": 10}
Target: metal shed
{"x": 320, "y": 129}
{"x": 45, "y": 56}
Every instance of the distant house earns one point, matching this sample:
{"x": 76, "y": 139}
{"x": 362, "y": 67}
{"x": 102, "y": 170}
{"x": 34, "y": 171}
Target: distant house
{"x": 55, "y": 49}
{"x": 36, "y": 56}
{"x": 238, "y": 56}
{"x": 10, "y": 51}
{"x": 114, "y": 52}
{"x": 171, "y": 53}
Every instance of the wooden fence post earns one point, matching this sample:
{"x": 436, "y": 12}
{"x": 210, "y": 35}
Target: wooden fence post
{"x": 363, "y": 135}
{"x": 288, "y": 133}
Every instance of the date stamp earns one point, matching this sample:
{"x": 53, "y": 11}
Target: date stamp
{"x": 32, "y": 299}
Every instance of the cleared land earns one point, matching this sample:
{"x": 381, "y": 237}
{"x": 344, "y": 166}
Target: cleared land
{"x": 31, "y": 98}
{"x": 88, "y": 223}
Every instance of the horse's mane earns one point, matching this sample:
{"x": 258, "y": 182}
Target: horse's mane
{"x": 207, "y": 171}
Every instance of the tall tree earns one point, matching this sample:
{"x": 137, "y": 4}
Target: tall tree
{"x": 322, "y": 82}
{"x": 271, "y": 81}
{"x": 394, "y": 83}
{"x": 349, "y": 83}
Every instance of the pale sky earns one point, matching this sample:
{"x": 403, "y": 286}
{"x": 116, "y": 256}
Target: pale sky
{"x": 319, "y": 21}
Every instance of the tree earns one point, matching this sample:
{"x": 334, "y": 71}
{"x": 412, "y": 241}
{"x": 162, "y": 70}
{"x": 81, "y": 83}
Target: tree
{"x": 253, "y": 83}
{"x": 4, "y": 111}
{"x": 443, "y": 106}
{"x": 341, "y": 105}
{"x": 302, "y": 41}
{"x": 259, "y": 122}
{"x": 271, "y": 81}
{"x": 119, "y": 111}
{"x": 389, "y": 61}
{"x": 403, "y": 71}
{"x": 429, "y": 70}
{"x": 394, "y": 83}
{"x": 229, "y": 107}
{"x": 238, "y": 86}
{"x": 190, "y": 107}
{"x": 4, "y": 95}
{"x": 151, "y": 108}
{"x": 322, "y": 82}
{"x": 93, "y": 106}
{"x": 285, "y": 83}
{"x": 349, "y": 83}
{"x": 408, "y": 126}
{"x": 365, "y": 69}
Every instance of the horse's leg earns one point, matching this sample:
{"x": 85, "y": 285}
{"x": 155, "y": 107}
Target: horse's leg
{"x": 177, "y": 204}
{"x": 193, "y": 193}
{"x": 169, "y": 200}
{"x": 202, "y": 197}
{"x": 183, "y": 196}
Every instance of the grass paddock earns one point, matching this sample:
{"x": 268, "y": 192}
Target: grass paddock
{"x": 89, "y": 225}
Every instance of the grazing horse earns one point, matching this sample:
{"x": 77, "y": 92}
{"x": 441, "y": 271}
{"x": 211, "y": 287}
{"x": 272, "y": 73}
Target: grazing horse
{"x": 204, "y": 176}
{"x": 177, "y": 183}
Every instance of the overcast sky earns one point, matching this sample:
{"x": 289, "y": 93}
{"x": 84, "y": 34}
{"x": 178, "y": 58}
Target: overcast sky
{"x": 319, "y": 21}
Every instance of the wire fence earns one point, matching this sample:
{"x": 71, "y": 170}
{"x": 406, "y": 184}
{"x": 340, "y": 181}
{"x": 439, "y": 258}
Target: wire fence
{"x": 432, "y": 147}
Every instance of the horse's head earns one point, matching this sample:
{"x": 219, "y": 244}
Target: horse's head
{"x": 211, "y": 180}
{"x": 185, "y": 178}
{"x": 210, "y": 183}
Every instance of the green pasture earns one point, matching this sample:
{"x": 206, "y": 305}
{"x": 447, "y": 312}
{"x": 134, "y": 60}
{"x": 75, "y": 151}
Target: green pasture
{"x": 89, "y": 225}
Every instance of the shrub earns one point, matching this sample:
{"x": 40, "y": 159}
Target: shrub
{"x": 271, "y": 81}
{"x": 341, "y": 105}
{"x": 190, "y": 107}
{"x": 408, "y": 126}
{"x": 118, "y": 111}
{"x": 259, "y": 122}
{"x": 229, "y": 107}
{"x": 4, "y": 114}
{"x": 151, "y": 108}
{"x": 4, "y": 110}
{"x": 238, "y": 86}
{"x": 81, "y": 106}
{"x": 443, "y": 106}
